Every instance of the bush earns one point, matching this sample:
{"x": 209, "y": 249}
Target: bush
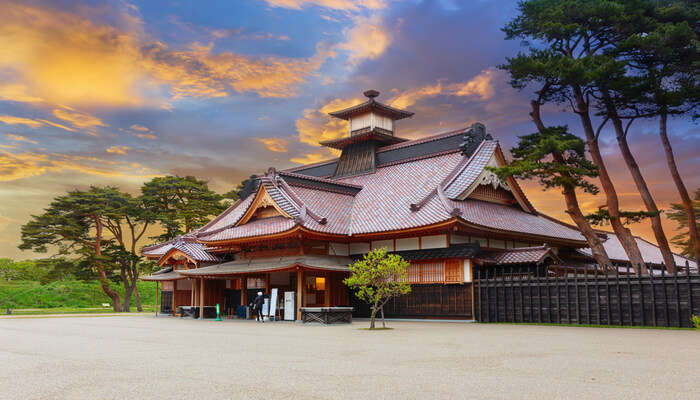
{"x": 696, "y": 321}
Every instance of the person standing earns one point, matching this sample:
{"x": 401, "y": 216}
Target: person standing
{"x": 258, "y": 307}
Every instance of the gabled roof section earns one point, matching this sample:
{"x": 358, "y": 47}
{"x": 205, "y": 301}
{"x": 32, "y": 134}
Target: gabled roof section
{"x": 330, "y": 185}
{"x": 191, "y": 249}
{"x": 522, "y": 255}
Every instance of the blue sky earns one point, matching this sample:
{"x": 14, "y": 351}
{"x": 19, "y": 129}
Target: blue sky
{"x": 116, "y": 92}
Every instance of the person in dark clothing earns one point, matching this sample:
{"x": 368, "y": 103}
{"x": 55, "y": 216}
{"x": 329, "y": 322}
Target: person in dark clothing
{"x": 258, "y": 307}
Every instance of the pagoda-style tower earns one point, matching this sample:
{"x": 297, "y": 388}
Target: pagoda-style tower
{"x": 371, "y": 125}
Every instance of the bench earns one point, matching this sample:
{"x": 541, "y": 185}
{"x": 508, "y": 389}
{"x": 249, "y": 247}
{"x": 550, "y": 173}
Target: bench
{"x": 327, "y": 315}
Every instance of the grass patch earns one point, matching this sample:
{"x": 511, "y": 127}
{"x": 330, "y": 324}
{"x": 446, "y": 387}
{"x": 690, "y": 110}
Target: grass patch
{"x": 672, "y": 328}
{"x": 73, "y": 310}
{"x": 64, "y": 294}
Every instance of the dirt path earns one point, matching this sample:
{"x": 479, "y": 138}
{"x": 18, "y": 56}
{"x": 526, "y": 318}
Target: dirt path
{"x": 147, "y": 357}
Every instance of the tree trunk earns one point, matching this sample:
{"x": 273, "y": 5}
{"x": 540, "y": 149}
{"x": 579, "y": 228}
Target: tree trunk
{"x": 623, "y": 234}
{"x": 137, "y": 298}
{"x": 641, "y": 184}
{"x": 104, "y": 283}
{"x": 371, "y": 317}
{"x": 682, "y": 191}
{"x": 572, "y": 205}
{"x": 383, "y": 321}
{"x": 128, "y": 291}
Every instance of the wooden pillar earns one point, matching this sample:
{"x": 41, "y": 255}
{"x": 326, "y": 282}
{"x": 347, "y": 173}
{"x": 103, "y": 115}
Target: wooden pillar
{"x": 192, "y": 287}
{"x": 300, "y": 275}
{"x": 201, "y": 298}
{"x": 244, "y": 290}
{"x": 156, "y": 298}
{"x": 327, "y": 294}
{"x": 173, "y": 297}
{"x": 267, "y": 283}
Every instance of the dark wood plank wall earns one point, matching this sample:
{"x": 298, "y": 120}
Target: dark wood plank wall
{"x": 437, "y": 301}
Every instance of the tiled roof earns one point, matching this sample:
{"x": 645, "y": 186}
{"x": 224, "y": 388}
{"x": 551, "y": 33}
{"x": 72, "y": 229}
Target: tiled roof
{"x": 380, "y": 201}
{"x": 507, "y": 218}
{"x": 167, "y": 276}
{"x": 467, "y": 250}
{"x": 194, "y": 249}
{"x": 522, "y": 255}
{"x": 331, "y": 263}
{"x": 471, "y": 170}
{"x": 650, "y": 252}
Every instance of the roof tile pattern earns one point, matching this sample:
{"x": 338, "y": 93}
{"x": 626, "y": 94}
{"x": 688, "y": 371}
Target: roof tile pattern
{"x": 259, "y": 227}
{"x": 471, "y": 170}
{"x": 506, "y": 218}
{"x": 229, "y": 217}
{"x": 523, "y": 255}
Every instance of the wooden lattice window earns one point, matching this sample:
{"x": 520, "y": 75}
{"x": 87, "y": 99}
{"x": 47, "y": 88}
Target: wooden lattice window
{"x": 453, "y": 271}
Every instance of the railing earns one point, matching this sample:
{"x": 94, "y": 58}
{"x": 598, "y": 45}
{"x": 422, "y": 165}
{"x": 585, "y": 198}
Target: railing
{"x": 571, "y": 295}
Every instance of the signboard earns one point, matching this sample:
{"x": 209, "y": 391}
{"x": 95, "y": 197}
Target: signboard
{"x": 273, "y": 303}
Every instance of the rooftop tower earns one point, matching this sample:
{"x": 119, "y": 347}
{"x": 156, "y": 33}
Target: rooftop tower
{"x": 371, "y": 125}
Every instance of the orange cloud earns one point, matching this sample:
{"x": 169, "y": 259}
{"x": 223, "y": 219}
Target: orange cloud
{"x": 345, "y": 5}
{"x": 15, "y": 166}
{"x": 366, "y": 39}
{"x": 77, "y": 118}
{"x": 12, "y": 120}
{"x": 480, "y": 86}
{"x": 141, "y": 128}
{"x": 317, "y": 125}
{"x": 66, "y": 59}
{"x": 277, "y": 145}
{"x": 309, "y": 158}
{"x": 118, "y": 150}
{"x": 19, "y": 138}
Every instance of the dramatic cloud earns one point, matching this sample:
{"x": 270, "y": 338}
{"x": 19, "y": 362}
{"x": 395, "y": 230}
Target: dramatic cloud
{"x": 65, "y": 59}
{"x": 15, "y": 166}
{"x": 481, "y": 86}
{"x": 12, "y": 120}
{"x": 317, "y": 125}
{"x": 277, "y": 145}
{"x": 365, "y": 39}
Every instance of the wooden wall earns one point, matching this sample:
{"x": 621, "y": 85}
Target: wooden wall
{"x": 436, "y": 301}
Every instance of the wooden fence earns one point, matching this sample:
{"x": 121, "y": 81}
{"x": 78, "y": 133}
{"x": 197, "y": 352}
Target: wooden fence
{"x": 562, "y": 295}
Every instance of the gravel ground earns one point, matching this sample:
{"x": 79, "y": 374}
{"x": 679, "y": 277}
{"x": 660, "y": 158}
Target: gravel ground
{"x": 148, "y": 357}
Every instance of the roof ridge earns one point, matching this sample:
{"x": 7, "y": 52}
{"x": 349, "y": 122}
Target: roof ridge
{"x": 319, "y": 179}
{"x": 426, "y": 139}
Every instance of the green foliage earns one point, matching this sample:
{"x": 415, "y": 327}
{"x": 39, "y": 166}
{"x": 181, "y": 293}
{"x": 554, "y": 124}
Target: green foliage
{"x": 377, "y": 278}
{"x": 181, "y": 204}
{"x": 553, "y": 156}
{"x": 78, "y": 294}
{"x": 602, "y": 216}
{"x": 695, "y": 320}
{"x": 680, "y": 216}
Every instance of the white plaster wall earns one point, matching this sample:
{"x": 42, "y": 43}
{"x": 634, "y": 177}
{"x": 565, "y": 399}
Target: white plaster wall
{"x": 359, "y": 248}
{"x": 497, "y": 244}
{"x": 481, "y": 241}
{"x": 459, "y": 239}
{"x": 407, "y": 244}
{"x": 433, "y": 241}
{"x": 339, "y": 249}
{"x": 387, "y": 244}
{"x": 467, "y": 270}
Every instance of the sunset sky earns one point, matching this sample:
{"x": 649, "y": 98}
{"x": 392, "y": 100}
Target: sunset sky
{"x": 119, "y": 92}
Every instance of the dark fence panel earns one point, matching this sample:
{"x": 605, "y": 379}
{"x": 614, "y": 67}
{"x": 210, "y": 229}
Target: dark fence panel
{"x": 448, "y": 301}
{"x": 528, "y": 294}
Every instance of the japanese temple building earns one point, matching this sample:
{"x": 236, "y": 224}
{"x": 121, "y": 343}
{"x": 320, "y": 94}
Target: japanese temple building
{"x": 431, "y": 200}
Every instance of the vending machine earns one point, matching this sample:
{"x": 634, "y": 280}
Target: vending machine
{"x": 290, "y": 306}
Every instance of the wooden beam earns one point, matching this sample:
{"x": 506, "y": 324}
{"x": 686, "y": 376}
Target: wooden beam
{"x": 156, "y": 298}
{"x": 173, "y": 297}
{"x": 300, "y": 275}
{"x": 201, "y": 298}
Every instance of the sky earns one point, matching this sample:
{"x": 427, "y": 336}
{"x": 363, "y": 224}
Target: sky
{"x": 118, "y": 92}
